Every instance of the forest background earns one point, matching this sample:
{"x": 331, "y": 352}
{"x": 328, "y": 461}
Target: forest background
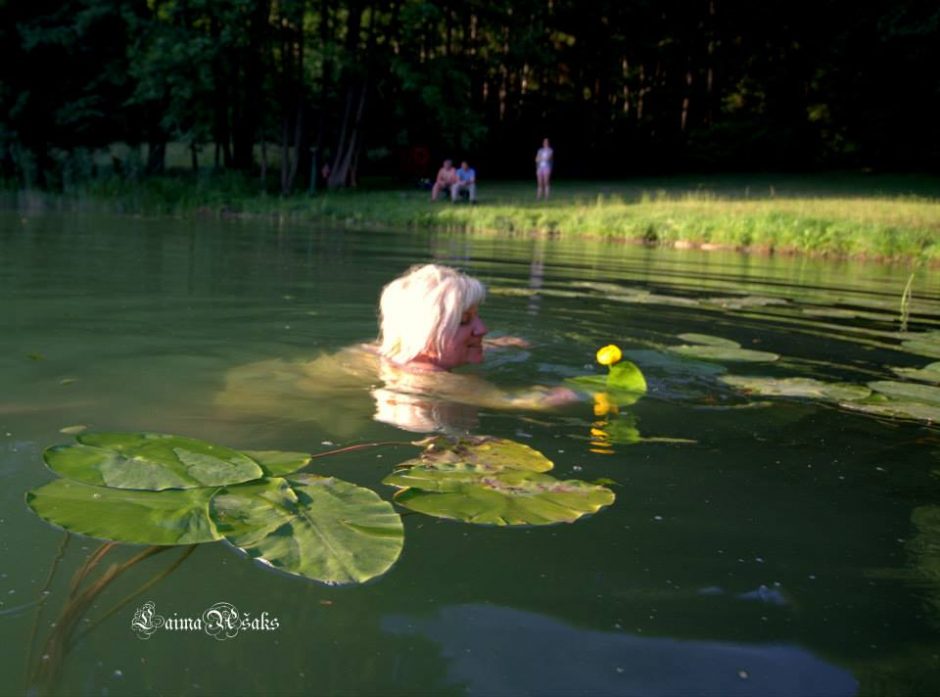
{"x": 278, "y": 88}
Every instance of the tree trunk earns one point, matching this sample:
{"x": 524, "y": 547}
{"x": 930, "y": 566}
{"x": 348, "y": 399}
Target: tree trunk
{"x": 250, "y": 108}
{"x": 349, "y": 136}
{"x": 220, "y": 116}
{"x": 156, "y": 156}
{"x": 298, "y": 150}
{"x": 285, "y": 152}
{"x": 264, "y": 165}
{"x": 355, "y": 100}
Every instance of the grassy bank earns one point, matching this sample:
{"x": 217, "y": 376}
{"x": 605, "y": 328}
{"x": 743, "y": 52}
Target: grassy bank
{"x": 866, "y": 216}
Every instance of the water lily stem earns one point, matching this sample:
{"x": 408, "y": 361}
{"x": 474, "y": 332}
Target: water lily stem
{"x": 906, "y": 302}
{"x": 359, "y": 446}
{"x": 151, "y": 582}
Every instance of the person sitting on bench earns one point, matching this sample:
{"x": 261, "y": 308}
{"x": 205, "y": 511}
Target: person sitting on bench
{"x": 446, "y": 178}
{"x": 466, "y": 181}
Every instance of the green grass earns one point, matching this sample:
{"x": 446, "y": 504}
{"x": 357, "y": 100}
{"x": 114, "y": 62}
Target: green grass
{"x": 849, "y": 215}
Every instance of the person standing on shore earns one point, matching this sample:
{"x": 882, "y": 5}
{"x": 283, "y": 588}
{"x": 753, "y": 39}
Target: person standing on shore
{"x": 544, "y": 159}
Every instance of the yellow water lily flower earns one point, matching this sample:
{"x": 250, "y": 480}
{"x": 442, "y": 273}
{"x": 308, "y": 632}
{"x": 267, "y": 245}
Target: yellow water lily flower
{"x": 609, "y": 355}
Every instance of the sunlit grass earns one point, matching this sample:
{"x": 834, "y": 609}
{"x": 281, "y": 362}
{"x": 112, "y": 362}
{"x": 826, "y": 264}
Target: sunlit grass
{"x": 850, "y": 215}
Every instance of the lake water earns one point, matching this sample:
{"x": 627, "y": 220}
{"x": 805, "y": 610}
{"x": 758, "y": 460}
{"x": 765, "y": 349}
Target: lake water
{"x": 758, "y": 545}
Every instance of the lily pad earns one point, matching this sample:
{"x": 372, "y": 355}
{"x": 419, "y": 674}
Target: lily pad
{"x": 898, "y": 409}
{"x": 626, "y": 376}
{"x": 716, "y": 348}
{"x": 925, "y": 344}
{"x": 150, "y": 461}
{"x": 798, "y": 387}
{"x": 624, "y": 383}
{"x": 908, "y": 391}
{"x": 708, "y": 340}
{"x": 317, "y": 527}
{"x": 278, "y": 462}
{"x": 929, "y": 373}
{"x": 723, "y": 353}
{"x": 135, "y": 517}
{"x": 475, "y": 494}
{"x": 486, "y": 451}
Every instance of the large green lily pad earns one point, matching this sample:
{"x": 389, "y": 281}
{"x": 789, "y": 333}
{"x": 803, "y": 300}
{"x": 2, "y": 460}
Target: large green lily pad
{"x": 486, "y": 451}
{"x": 475, "y": 494}
{"x": 150, "y": 461}
{"x": 317, "y": 527}
{"x": 925, "y": 344}
{"x": 797, "y": 387}
{"x": 907, "y": 391}
{"x": 136, "y": 517}
{"x": 929, "y": 373}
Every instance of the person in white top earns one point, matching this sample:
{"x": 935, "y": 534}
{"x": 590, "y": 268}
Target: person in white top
{"x": 543, "y": 169}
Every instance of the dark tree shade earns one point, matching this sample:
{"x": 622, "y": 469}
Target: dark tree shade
{"x": 621, "y": 86}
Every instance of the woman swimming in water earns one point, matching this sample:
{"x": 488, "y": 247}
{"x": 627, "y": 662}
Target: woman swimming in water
{"x": 429, "y": 324}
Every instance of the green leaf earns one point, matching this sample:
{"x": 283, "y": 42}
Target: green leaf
{"x": 278, "y": 462}
{"x": 134, "y": 517}
{"x": 487, "y": 451}
{"x": 475, "y": 494}
{"x": 909, "y": 391}
{"x": 925, "y": 344}
{"x": 929, "y": 373}
{"x": 624, "y": 383}
{"x": 626, "y": 376}
{"x": 150, "y": 461}
{"x": 317, "y": 527}
{"x": 897, "y": 409}
{"x": 798, "y": 387}
{"x": 715, "y": 348}
{"x": 708, "y": 340}
{"x": 723, "y": 353}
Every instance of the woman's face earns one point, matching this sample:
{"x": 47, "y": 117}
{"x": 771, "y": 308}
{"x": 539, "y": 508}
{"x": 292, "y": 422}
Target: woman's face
{"x": 466, "y": 345}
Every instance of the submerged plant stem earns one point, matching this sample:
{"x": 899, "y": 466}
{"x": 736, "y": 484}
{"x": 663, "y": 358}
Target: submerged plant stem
{"x": 43, "y": 595}
{"x": 906, "y": 302}
{"x": 148, "y": 584}
{"x": 43, "y": 674}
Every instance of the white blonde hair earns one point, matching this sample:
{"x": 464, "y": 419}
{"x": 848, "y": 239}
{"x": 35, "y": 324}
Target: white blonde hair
{"x": 421, "y": 308}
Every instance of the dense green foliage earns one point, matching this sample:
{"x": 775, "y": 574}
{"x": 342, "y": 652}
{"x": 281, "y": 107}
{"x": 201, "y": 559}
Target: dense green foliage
{"x": 392, "y": 86}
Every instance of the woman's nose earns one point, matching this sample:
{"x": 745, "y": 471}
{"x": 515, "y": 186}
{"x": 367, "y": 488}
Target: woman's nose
{"x": 479, "y": 328}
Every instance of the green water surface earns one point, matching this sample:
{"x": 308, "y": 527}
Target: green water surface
{"x": 757, "y": 545}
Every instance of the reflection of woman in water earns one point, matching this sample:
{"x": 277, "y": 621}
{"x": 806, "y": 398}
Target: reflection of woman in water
{"x": 429, "y": 325}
